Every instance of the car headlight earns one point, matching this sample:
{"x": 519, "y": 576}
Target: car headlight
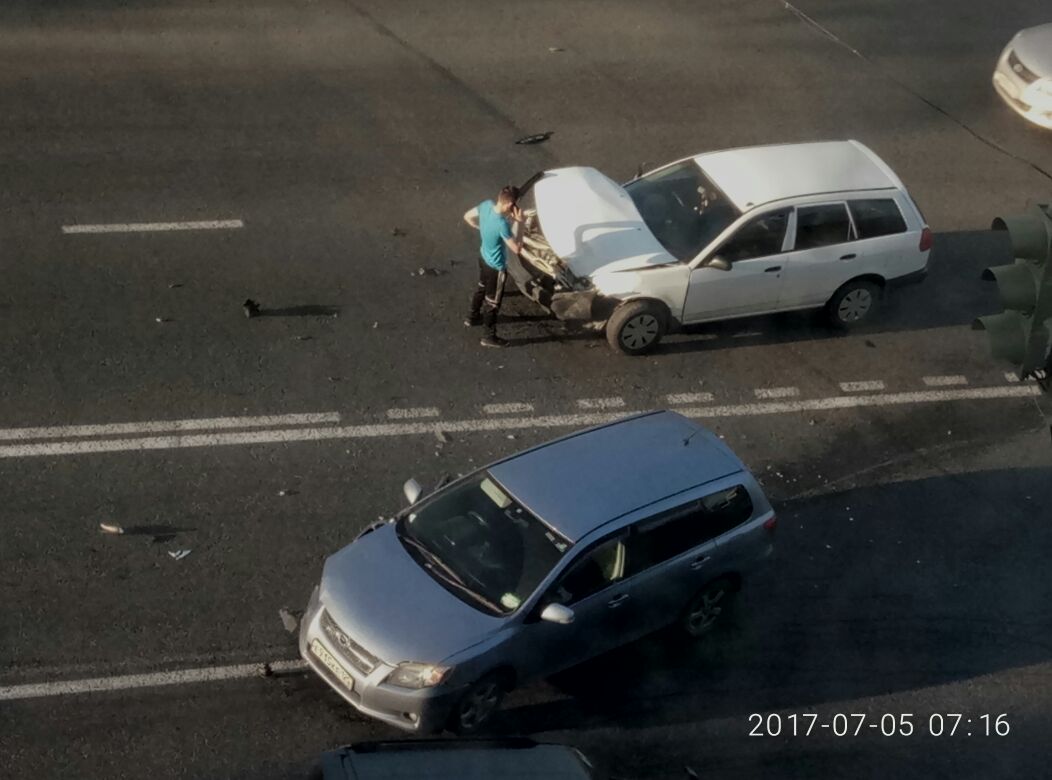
{"x": 415, "y": 676}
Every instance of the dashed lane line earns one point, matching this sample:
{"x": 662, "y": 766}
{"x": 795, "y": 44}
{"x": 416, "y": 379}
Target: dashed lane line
{"x": 862, "y": 387}
{"x": 415, "y": 413}
{"x": 581, "y": 419}
{"x": 945, "y": 381}
{"x": 509, "y": 408}
{"x": 164, "y": 426}
{"x": 600, "y": 403}
{"x": 154, "y": 227}
{"x": 154, "y": 680}
{"x": 776, "y": 392}
{"x": 678, "y": 399}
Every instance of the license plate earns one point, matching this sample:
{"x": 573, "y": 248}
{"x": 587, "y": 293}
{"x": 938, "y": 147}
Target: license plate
{"x": 330, "y": 663}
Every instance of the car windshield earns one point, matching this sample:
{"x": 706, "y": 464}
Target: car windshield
{"x": 482, "y": 544}
{"x": 682, "y": 207}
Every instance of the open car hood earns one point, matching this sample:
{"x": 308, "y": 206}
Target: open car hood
{"x": 592, "y": 224}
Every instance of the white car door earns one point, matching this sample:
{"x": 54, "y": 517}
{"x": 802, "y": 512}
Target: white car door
{"x": 825, "y": 255}
{"x": 752, "y": 283}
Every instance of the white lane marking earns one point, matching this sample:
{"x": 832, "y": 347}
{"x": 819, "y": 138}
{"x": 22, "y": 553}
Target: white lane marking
{"x": 776, "y": 392}
{"x": 1011, "y": 376}
{"x": 688, "y": 398}
{"x": 747, "y": 334}
{"x": 862, "y": 387}
{"x": 600, "y": 403}
{"x": 510, "y": 408}
{"x": 388, "y": 430}
{"x": 412, "y": 414}
{"x": 154, "y": 680}
{"x": 945, "y": 381}
{"x": 153, "y": 227}
{"x": 163, "y": 426}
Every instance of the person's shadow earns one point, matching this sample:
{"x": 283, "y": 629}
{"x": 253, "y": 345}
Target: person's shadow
{"x": 309, "y": 310}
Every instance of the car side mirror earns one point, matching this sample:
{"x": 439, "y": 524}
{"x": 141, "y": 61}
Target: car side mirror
{"x": 412, "y": 490}
{"x": 718, "y": 263}
{"x": 557, "y": 613}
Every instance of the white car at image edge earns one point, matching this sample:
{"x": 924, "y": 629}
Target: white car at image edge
{"x": 1023, "y": 77}
{"x": 717, "y": 236}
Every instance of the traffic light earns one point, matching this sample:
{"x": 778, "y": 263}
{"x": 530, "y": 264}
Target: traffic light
{"x": 1022, "y": 333}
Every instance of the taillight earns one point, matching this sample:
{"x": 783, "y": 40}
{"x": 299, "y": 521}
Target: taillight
{"x": 925, "y": 242}
{"x": 770, "y": 523}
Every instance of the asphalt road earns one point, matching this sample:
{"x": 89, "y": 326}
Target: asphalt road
{"x": 348, "y": 138}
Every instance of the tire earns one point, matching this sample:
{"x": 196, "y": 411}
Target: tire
{"x": 636, "y": 327}
{"x": 478, "y": 704}
{"x": 710, "y": 607}
{"x": 853, "y": 304}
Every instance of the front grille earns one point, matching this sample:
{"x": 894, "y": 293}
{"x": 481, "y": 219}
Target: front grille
{"x": 358, "y": 657}
{"x": 1021, "y": 70}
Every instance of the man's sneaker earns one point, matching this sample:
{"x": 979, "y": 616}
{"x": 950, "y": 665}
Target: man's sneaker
{"x": 493, "y": 341}
{"x": 471, "y": 322}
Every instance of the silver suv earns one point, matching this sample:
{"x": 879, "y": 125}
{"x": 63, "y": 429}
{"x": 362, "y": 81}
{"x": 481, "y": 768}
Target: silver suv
{"x": 532, "y": 565}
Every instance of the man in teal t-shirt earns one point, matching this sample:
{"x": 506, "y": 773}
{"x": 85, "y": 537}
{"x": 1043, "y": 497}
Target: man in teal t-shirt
{"x": 492, "y": 219}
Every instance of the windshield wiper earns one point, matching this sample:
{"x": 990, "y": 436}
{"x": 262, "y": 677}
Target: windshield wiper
{"x": 448, "y": 574}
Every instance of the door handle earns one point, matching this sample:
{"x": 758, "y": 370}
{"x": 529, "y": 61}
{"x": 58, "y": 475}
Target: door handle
{"x": 617, "y": 601}
{"x": 848, "y": 257}
{"x": 697, "y": 563}
{"x": 772, "y": 269}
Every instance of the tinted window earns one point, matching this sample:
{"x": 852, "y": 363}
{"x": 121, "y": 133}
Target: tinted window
{"x": 657, "y": 540}
{"x": 759, "y": 237}
{"x": 727, "y": 509}
{"x": 597, "y": 569}
{"x": 877, "y": 217}
{"x": 822, "y": 226}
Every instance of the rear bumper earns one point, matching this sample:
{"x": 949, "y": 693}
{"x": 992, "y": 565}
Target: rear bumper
{"x": 914, "y": 277}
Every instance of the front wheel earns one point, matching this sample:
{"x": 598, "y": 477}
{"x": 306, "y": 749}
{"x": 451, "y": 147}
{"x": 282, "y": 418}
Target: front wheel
{"x": 477, "y": 705}
{"x": 636, "y": 327}
{"x": 853, "y": 304}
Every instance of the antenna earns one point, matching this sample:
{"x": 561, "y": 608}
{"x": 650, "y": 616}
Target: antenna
{"x": 686, "y": 441}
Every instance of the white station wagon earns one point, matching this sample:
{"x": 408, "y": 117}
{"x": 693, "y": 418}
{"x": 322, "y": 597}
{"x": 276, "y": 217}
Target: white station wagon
{"x": 718, "y": 236}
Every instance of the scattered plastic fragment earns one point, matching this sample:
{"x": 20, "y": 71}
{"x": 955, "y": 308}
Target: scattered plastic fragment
{"x": 287, "y": 492}
{"x": 175, "y": 285}
{"x": 162, "y": 319}
{"x": 555, "y": 49}
{"x": 376, "y": 325}
{"x": 511, "y": 436}
{"x": 110, "y": 528}
{"x": 536, "y": 138}
{"x": 290, "y": 621}
{"x": 442, "y": 437}
{"x": 302, "y": 338}
{"x": 178, "y": 555}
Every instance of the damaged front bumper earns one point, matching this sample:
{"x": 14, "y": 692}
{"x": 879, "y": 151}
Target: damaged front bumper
{"x": 568, "y": 298}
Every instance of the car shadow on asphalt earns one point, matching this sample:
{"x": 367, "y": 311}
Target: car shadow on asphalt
{"x": 872, "y": 591}
{"x": 952, "y": 295}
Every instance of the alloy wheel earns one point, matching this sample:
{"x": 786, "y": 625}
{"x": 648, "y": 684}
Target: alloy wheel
{"x": 478, "y": 705}
{"x": 706, "y": 610}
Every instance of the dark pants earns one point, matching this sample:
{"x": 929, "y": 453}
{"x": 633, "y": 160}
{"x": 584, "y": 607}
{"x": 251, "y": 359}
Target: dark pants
{"x": 485, "y": 303}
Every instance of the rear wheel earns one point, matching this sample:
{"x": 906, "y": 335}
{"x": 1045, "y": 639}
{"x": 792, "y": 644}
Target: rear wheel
{"x": 709, "y": 607}
{"x": 854, "y": 303}
{"x": 636, "y": 327}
